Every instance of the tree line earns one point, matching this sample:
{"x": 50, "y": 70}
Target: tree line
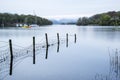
{"x": 7, "y": 19}
{"x": 104, "y": 19}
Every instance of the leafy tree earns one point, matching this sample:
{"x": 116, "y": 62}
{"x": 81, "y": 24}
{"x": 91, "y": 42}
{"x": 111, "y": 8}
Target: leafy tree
{"x": 7, "y": 19}
{"x": 105, "y": 19}
{"x": 83, "y": 21}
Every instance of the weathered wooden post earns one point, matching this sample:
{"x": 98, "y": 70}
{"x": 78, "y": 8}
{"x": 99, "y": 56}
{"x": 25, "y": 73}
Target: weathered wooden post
{"x": 46, "y": 39}
{"x": 67, "y": 40}
{"x": 75, "y": 38}
{"x": 11, "y": 57}
{"x": 33, "y": 50}
{"x": 58, "y": 38}
{"x": 47, "y": 45}
{"x": 58, "y": 42}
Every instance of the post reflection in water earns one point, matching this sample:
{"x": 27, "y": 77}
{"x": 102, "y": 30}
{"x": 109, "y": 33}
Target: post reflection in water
{"x": 78, "y": 62}
{"x": 58, "y": 45}
{"x": 9, "y": 61}
{"x": 67, "y": 40}
{"x": 46, "y": 52}
{"x": 11, "y": 57}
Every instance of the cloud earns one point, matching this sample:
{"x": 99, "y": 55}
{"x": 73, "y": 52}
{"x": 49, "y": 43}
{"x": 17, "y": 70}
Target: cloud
{"x": 59, "y": 8}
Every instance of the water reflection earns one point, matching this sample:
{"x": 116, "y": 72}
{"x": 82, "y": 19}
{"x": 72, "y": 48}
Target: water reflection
{"x": 58, "y": 45}
{"x": 106, "y": 33}
{"x": 46, "y": 53}
{"x": 100, "y": 32}
{"x": 114, "y": 72}
{"x": 80, "y": 62}
{"x": 21, "y": 54}
{"x": 115, "y": 65}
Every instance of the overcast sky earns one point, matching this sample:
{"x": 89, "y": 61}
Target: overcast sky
{"x": 59, "y": 8}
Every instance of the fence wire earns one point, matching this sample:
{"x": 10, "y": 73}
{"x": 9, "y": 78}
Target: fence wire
{"x": 21, "y": 52}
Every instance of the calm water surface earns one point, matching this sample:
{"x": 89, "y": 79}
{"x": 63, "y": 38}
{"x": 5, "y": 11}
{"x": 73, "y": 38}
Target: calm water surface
{"x": 91, "y": 58}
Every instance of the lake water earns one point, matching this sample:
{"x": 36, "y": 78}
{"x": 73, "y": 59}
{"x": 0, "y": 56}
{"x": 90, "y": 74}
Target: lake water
{"x": 94, "y": 56}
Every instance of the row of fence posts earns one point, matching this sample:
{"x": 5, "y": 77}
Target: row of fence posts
{"x": 47, "y": 46}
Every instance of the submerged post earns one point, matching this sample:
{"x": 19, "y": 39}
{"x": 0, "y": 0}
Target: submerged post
{"x": 58, "y": 38}
{"x": 11, "y": 57}
{"x": 67, "y": 40}
{"x": 33, "y": 50}
{"x": 46, "y": 46}
{"x": 75, "y": 38}
{"x": 58, "y": 42}
{"x": 46, "y": 39}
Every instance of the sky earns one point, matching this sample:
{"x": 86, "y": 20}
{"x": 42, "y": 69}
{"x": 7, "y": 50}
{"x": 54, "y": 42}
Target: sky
{"x": 59, "y": 8}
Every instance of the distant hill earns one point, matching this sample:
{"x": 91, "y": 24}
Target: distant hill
{"x": 111, "y": 18}
{"x": 55, "y": 21}
{"x": 64, "y": 21}
{"x": 7, "y": 19}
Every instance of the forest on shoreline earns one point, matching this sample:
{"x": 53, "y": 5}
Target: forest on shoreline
{"x": 11, "y": 20}
{"x": 111, "y": 18}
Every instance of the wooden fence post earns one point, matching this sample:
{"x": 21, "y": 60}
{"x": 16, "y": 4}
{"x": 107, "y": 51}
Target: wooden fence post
{"x": 47, "y": 45}
{"x": 33, "y": 50}
{"x": 46, "y": 39}
{"x": 11, "y": 57}
{"x": 58, "y": 43}
{"x": 75, "y": 38}
{"x": 58, "y": 38}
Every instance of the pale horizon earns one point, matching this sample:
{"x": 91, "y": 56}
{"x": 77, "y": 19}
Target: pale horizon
{"x": 59, "y": 8}
{"x": 58, "y": 17}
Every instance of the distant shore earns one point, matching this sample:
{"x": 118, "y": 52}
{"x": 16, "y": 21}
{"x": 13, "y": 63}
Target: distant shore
{"x": 7, "y": 19}
{"x": 111, "y": 18}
